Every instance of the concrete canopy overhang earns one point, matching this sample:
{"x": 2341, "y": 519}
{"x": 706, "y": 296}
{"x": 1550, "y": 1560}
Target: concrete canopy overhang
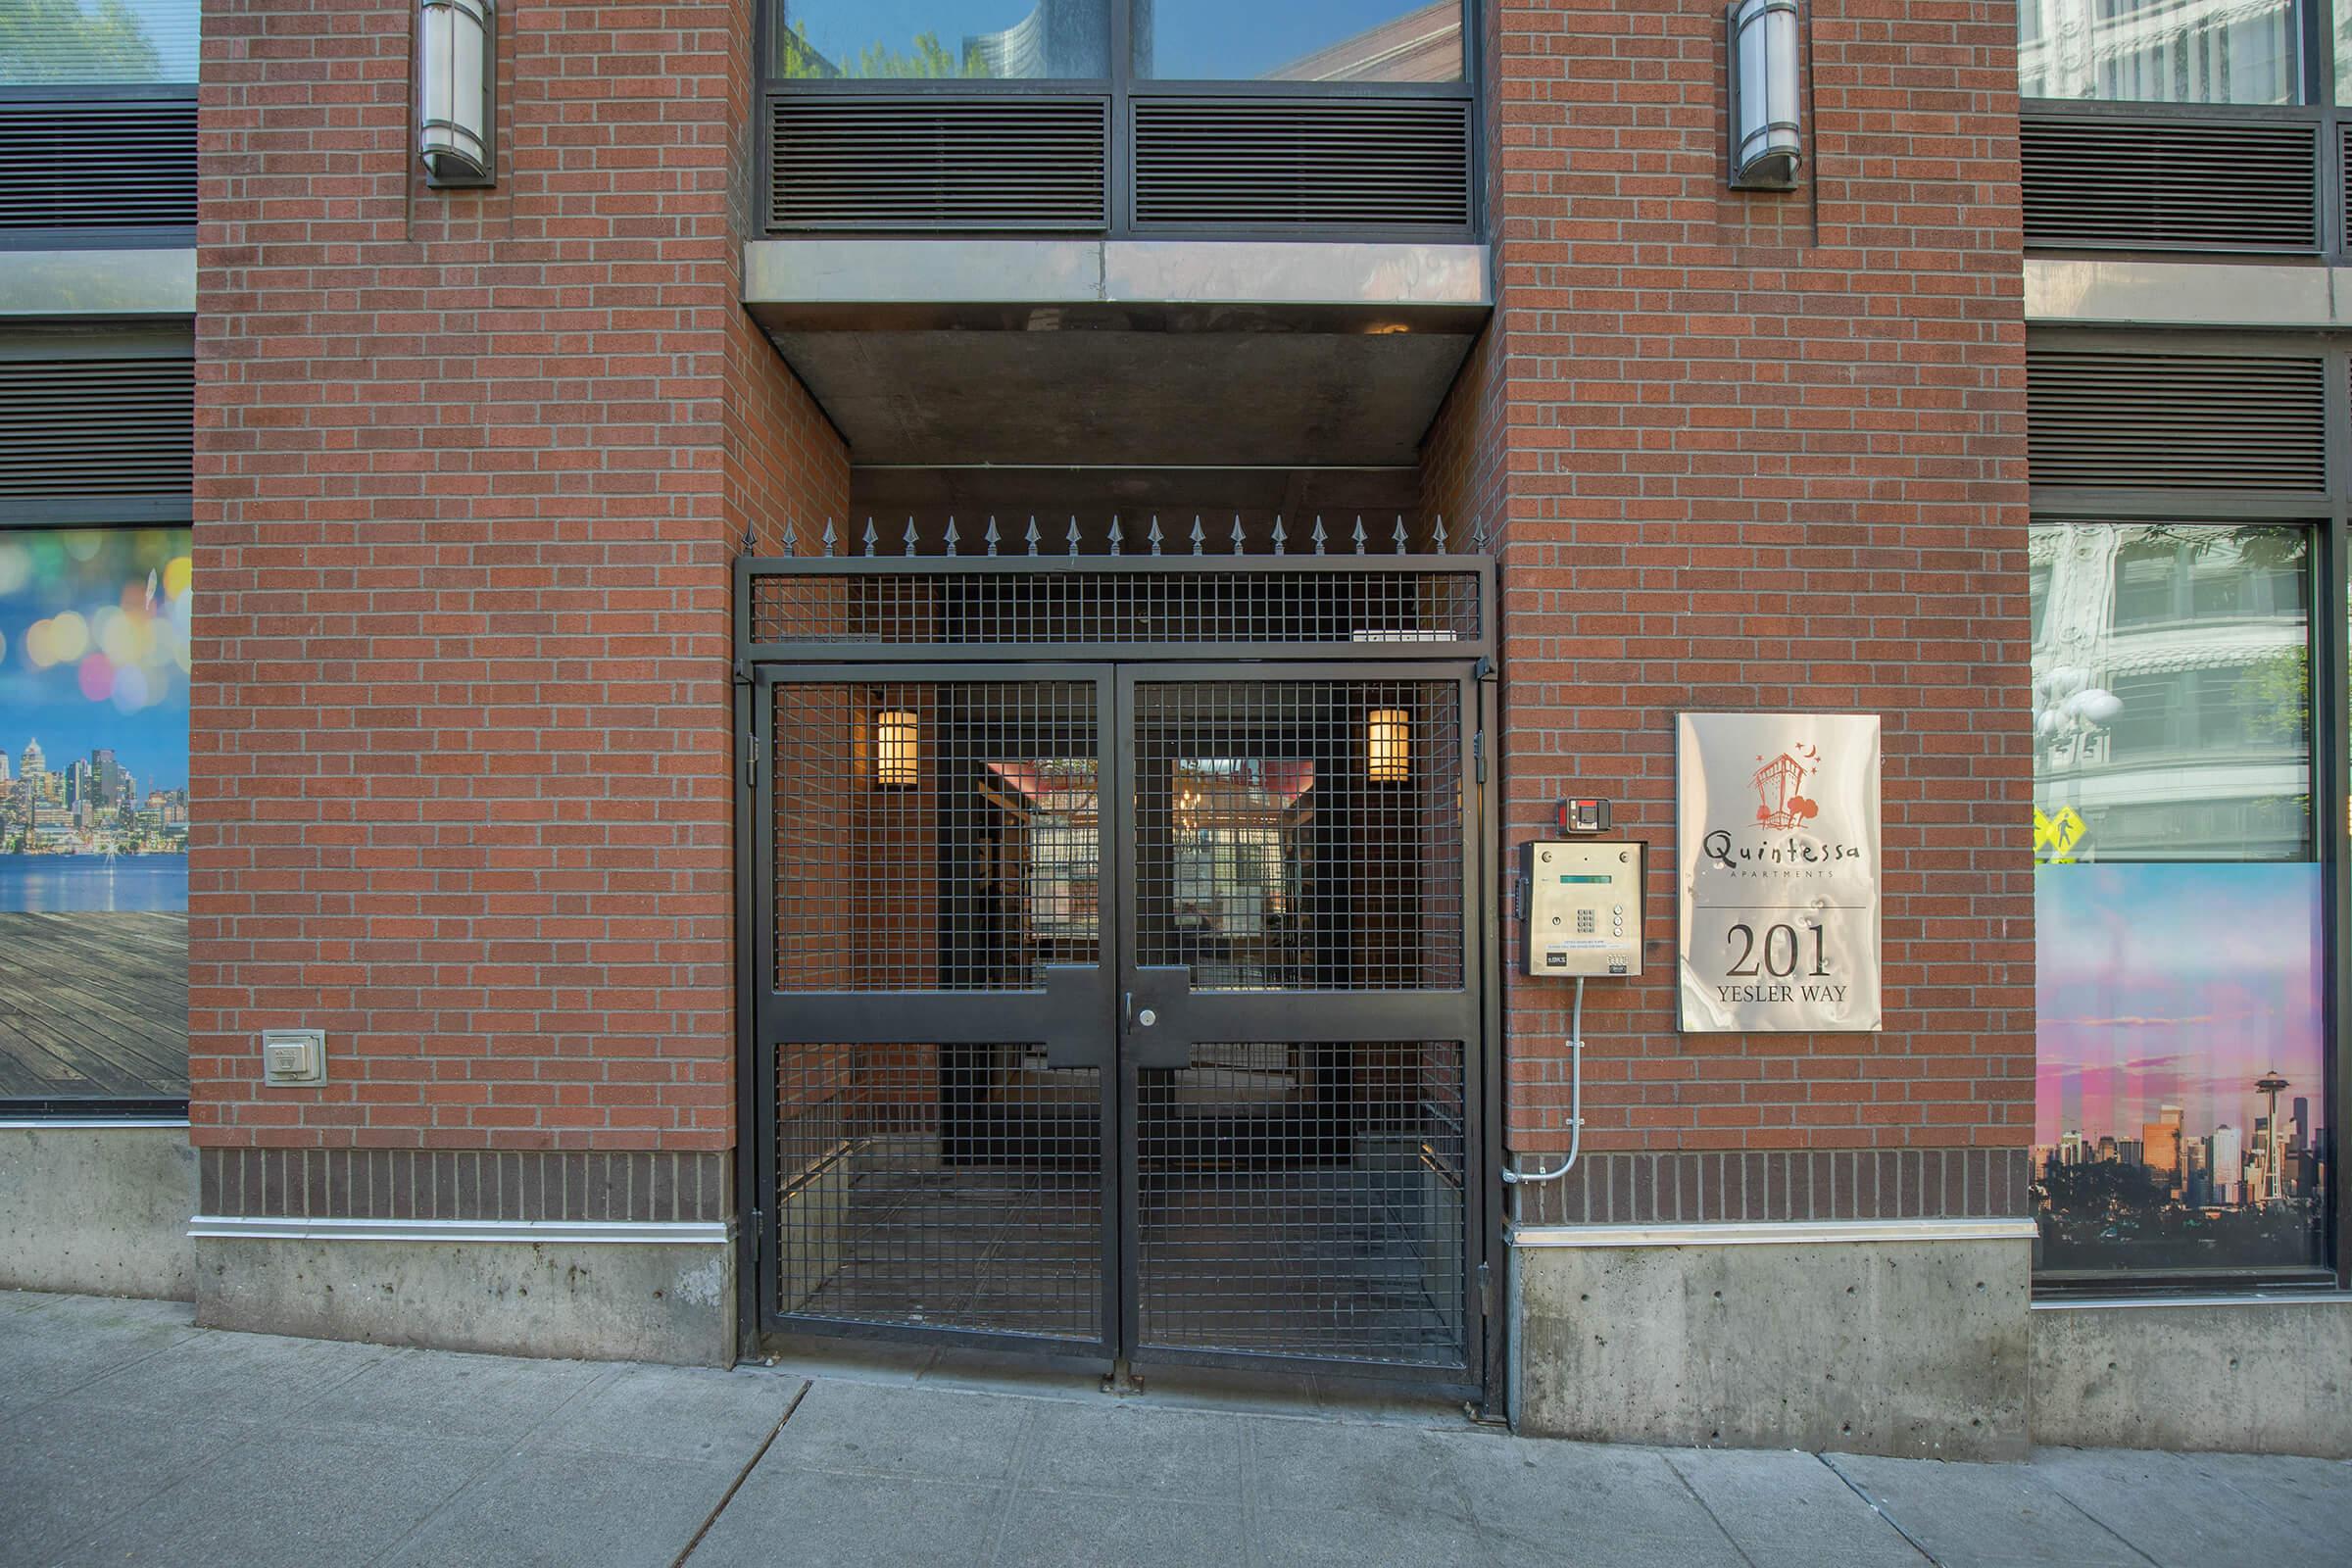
{"x": 1128, "y": 353}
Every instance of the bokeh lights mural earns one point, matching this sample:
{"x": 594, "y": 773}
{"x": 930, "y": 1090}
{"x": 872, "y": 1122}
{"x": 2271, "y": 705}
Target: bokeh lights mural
{"x": 94, "y": 635}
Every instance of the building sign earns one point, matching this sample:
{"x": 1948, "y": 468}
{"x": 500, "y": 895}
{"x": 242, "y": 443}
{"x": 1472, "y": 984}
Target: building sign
{"x": 1776, "y": 853}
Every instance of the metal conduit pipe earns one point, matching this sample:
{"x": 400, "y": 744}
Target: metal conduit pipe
{"x": 1514, "y": 1179}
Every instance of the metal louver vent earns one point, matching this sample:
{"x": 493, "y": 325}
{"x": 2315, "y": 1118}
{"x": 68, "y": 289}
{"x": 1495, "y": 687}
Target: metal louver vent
{"x": 1272, "y": 162}
{"x": 2108, "y": 183}
{"x": 77, "y": 429}
{"x": 107, "y": 164}
{"x": 918, "y": 163}
{"x": 2176, "y": 421}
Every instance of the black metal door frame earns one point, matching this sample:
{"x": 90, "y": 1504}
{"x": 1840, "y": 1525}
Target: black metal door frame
{"x": 1063, "y": 1016}
{"x": 1186, "y": 1016}
{"x": 769, "y": 1019}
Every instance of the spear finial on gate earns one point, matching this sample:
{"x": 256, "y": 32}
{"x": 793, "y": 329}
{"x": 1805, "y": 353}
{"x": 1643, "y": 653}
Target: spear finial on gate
{"x": 1401, "y": 533}
{"x": 992, "y": 535}
{"x": 1199, "y": 538}
{"x": 951, "y": 533}
{"x": 871, "y": 538}
{"x": 1437, "y": 540}
{"x": 829, "y": 539}
{"x": 1479, "y": 542}
{"x": 1319, "y": 535}
{"x": 1033, "y": 535}
{"x": 1359, "y": 534}
{"x": 1073, "y": 533}
{"x": 911, "y": 538}
{"x": 1115, "y": 535}
{"x": 792, "y": 543}
{"x": 1278, "y": 535}
{"x": 1155, "y": 535}
{"x": 1237, "y": 533}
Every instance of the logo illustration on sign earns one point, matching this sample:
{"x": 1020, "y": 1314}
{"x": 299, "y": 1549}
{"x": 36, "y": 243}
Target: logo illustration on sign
{"x": 1778, "y": 828}
{"x": 1779, "y": 805}
{"x": 2058, "y": 835}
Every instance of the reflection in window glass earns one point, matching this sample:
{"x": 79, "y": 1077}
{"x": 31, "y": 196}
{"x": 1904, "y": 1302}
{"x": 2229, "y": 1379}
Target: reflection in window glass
{"x": 94, "y": 812}
{"x": 65, "y": 43}
{"x": 2180, "y": 1120}
{"x": 962, "y": 39}
{"x": 1308, "y": 40}
{"x": 2171, "y": 690}
{"x": 2160, "y": 51}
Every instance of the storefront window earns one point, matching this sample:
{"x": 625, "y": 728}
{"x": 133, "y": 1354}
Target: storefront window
{"x": 2181, "y": 1093}
{"x": 94, "y": 813}
{"x": 2161, "y": 51}
{"x": 47, "y": 43}
{"x": 984, "y": 40}
{"x": 1311, "y": 40}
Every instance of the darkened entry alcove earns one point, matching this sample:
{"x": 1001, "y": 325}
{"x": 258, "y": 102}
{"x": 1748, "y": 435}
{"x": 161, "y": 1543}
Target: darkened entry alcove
{"x": 1116, "y": 998}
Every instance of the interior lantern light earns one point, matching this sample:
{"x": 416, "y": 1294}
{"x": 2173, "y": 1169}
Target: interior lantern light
{"x": 457, "y": 50}
{"x": 1766, "y": 121}
{"x": 1389, "y": 746}
{"x": 897, "y": 749}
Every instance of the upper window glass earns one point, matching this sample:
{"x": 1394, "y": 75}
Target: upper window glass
{"x": 2160, "y": 51}
{"x": 46, "y": 43}
{"x": 974, "y": 40}
{"x": 2171, "y": 678}
{"x": 1308, "y": 40}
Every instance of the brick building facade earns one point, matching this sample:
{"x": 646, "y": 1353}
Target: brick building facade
{"x": 566, "y": 552}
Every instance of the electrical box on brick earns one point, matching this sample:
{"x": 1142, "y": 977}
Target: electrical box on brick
{"x": 1584, "y": 908}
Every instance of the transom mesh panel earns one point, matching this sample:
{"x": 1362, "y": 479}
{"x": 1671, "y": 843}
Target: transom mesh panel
{"x": 935, "y": 835}
{"x": 940, "y": 1186}
{"x": 1301, "y": 835}
{"x": 992, "y": 608}
{"x": 1305, "y": 1199}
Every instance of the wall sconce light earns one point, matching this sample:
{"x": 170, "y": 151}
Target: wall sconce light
{"x": 1766, "y": 119}
{"x": 898, "y": 753}
{"x": 1389, "y": 746}
{"x": 457, "y": 55}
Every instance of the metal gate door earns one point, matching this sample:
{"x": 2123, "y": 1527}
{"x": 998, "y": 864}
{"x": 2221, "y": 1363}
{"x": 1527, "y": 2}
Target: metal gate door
{"x": 1298, "y": 1062}
{"x": 1126, "y": 1007}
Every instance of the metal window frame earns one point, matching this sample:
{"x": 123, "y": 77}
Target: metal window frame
{"x": 1478, "y": 1006}
{"x": 2327, "y": 516}
{"x": 1118, "y": 89}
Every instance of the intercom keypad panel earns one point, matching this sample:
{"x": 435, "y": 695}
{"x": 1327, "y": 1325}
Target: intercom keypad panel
{"x": 1584, "y": 908}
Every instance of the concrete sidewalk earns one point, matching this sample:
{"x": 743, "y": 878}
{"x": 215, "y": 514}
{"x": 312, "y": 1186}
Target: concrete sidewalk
{"x": 130, "y": 1435}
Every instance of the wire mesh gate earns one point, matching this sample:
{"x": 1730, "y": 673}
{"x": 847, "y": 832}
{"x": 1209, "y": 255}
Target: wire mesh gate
{"x": 1119, "y": 993}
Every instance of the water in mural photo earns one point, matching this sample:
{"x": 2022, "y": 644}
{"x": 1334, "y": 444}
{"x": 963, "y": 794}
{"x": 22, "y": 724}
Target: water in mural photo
{"x": 93, "y": 720}
{"x": 2181, "y": 1107}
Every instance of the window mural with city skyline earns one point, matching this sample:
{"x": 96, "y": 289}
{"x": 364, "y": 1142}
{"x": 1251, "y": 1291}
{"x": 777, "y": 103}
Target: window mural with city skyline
{"x": 93, "y": 719}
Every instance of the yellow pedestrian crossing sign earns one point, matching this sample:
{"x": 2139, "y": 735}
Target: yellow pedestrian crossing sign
{"x": 2055, "y": 837}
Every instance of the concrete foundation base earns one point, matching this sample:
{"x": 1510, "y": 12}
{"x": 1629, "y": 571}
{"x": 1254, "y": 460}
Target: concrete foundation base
{"x": 2253, "y": 1375}
{"x": 632, "y": 1302}
{"x": 99, "y": 1210}
{"x": 1894, "y": 1347}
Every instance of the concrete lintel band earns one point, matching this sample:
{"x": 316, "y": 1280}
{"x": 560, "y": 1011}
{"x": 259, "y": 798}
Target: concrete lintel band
{"x": 844, "y": 272}
{"x": 247, "y": 1227}
{"x": 2139, "y": 292}
{"x": 1803, "y": 1233}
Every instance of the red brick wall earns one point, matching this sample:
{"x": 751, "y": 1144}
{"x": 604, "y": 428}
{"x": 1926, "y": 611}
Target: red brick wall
{"x": 470, "y": 471}
{"x": 1766, "y": 452}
